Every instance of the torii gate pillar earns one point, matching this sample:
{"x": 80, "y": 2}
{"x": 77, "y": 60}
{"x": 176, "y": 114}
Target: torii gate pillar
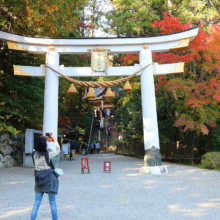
{"x": 152, "y": 158}
{"x": 50, "y": 122}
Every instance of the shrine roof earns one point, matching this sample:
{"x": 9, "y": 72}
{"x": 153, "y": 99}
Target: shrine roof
{"x": 97, "y": 91}
{"x": 68, "y": 130}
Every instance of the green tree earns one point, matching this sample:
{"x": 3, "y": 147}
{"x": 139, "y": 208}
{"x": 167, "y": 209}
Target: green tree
{"x": 206, "y": 11}
{"x": 133, "y": 18}
{"x": 128, "y": 113}
{"x": 41, "y": 18}
{"x": 21, "y": 98}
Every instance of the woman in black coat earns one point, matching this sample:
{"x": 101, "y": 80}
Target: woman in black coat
{"x": 46, "y": 180}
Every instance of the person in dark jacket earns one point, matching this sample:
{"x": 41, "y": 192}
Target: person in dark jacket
{"x": 51, "y": 183}
{"x": 98, "y": 114}
{"x": 73, "y": 146}
{"x": 91, "y": 148}
{"x": 94, "y": 147}
{"x": 109, "y": 130}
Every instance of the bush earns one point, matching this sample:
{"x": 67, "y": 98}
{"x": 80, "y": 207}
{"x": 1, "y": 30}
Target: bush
{"x": 211, "y": 160}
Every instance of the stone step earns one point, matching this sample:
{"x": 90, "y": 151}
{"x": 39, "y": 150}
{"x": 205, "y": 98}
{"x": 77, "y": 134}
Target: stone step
{"x": 106, "y": 146}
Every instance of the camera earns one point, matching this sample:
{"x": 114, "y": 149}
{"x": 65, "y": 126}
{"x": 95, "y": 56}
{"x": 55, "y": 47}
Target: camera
{"x": 48, "y": 134}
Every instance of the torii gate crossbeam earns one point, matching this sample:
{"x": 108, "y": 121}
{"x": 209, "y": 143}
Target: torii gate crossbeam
{"x": 53, "y": 47}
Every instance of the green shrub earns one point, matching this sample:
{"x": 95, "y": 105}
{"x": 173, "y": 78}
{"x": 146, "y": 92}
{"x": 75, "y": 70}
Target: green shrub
{"x": 211, "y": 160}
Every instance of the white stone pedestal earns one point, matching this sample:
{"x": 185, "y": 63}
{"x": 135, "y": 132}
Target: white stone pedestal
{"x": 153, "y": 170}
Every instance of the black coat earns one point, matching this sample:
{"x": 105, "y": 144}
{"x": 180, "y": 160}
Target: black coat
{"x": 52, "y": 185}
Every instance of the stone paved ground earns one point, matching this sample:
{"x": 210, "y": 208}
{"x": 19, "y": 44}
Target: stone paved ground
{"x": 185, "y": 193}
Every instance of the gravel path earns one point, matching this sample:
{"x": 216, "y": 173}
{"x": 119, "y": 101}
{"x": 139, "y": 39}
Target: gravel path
{"x": 185, "y": 193}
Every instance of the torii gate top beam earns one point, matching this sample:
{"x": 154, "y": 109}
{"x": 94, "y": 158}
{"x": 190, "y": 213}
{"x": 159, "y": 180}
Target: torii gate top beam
{"x": 158, "y": 43}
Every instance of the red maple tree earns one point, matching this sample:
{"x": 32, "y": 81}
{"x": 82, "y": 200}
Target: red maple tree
{"x": 197, "y": 93}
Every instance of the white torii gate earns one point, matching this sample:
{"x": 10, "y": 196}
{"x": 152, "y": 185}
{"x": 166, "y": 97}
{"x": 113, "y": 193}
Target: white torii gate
{"x": 52, "y": 47}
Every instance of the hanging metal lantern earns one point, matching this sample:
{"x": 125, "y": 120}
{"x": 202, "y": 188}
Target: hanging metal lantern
{"x": 72, "y": 89}
{"x": 127, "y": 86}
{"x": 109, "y": 93}
{"x": 90, "y": 94}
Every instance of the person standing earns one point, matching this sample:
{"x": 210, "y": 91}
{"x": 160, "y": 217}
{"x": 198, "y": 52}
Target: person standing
{"x": 44, "y": 168}
{"x": 98, "y": 114}
{"x": 108, "y": 112}
{"x": 83, "y": 148}
{"x": 73, "y": 149}
{"x": 109, "y": 130}
{"x": 95, "y": 113}
{"x": 80, "y": 147}
{"x": 94, "y": 147}
{"x": 98, "y": 124}
{"x": 103, "y": 113}
{"x": 97, "y": 147}
{"x": 91, "y": 148}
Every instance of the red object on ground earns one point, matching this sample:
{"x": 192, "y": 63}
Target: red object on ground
{"x": 84, "y": 163}
{"x": 107, "y": 166}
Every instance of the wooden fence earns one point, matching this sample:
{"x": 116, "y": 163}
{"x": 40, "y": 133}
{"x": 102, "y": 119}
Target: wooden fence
{"x": 131, "y": 150}
{"x": 176, "y": 152}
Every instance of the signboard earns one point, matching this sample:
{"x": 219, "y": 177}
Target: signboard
{"x": 102, "y": 104}
{"x": 99, "y": 59}
{"x": 84, "y": 163}
{"x": 107, "y": 166}
{"x": 65, "y": 149}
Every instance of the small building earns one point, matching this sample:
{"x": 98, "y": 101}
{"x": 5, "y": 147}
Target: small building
{"x": 100, "y": 96}
{"x": 72, "y": 133}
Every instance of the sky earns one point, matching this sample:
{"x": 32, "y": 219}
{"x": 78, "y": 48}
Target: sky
{"x": 104, "y": 6}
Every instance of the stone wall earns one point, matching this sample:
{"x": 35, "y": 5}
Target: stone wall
{"x": 11, "y": 150}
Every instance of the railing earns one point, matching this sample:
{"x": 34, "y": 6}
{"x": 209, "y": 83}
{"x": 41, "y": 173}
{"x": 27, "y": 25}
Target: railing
{"x": 106, "y": 134}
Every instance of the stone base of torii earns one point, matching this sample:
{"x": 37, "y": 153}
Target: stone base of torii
{"x": 53, "y": 47}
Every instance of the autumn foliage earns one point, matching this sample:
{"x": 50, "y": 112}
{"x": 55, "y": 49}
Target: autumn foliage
{"x": 42, "y": 18}
{"x": 171, "y": 24}
{"x": 199, "y": 88}
{"x": 195, "y": 94}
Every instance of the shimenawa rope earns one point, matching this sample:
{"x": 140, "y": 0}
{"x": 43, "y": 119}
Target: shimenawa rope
{"x": 98, "y": 83}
